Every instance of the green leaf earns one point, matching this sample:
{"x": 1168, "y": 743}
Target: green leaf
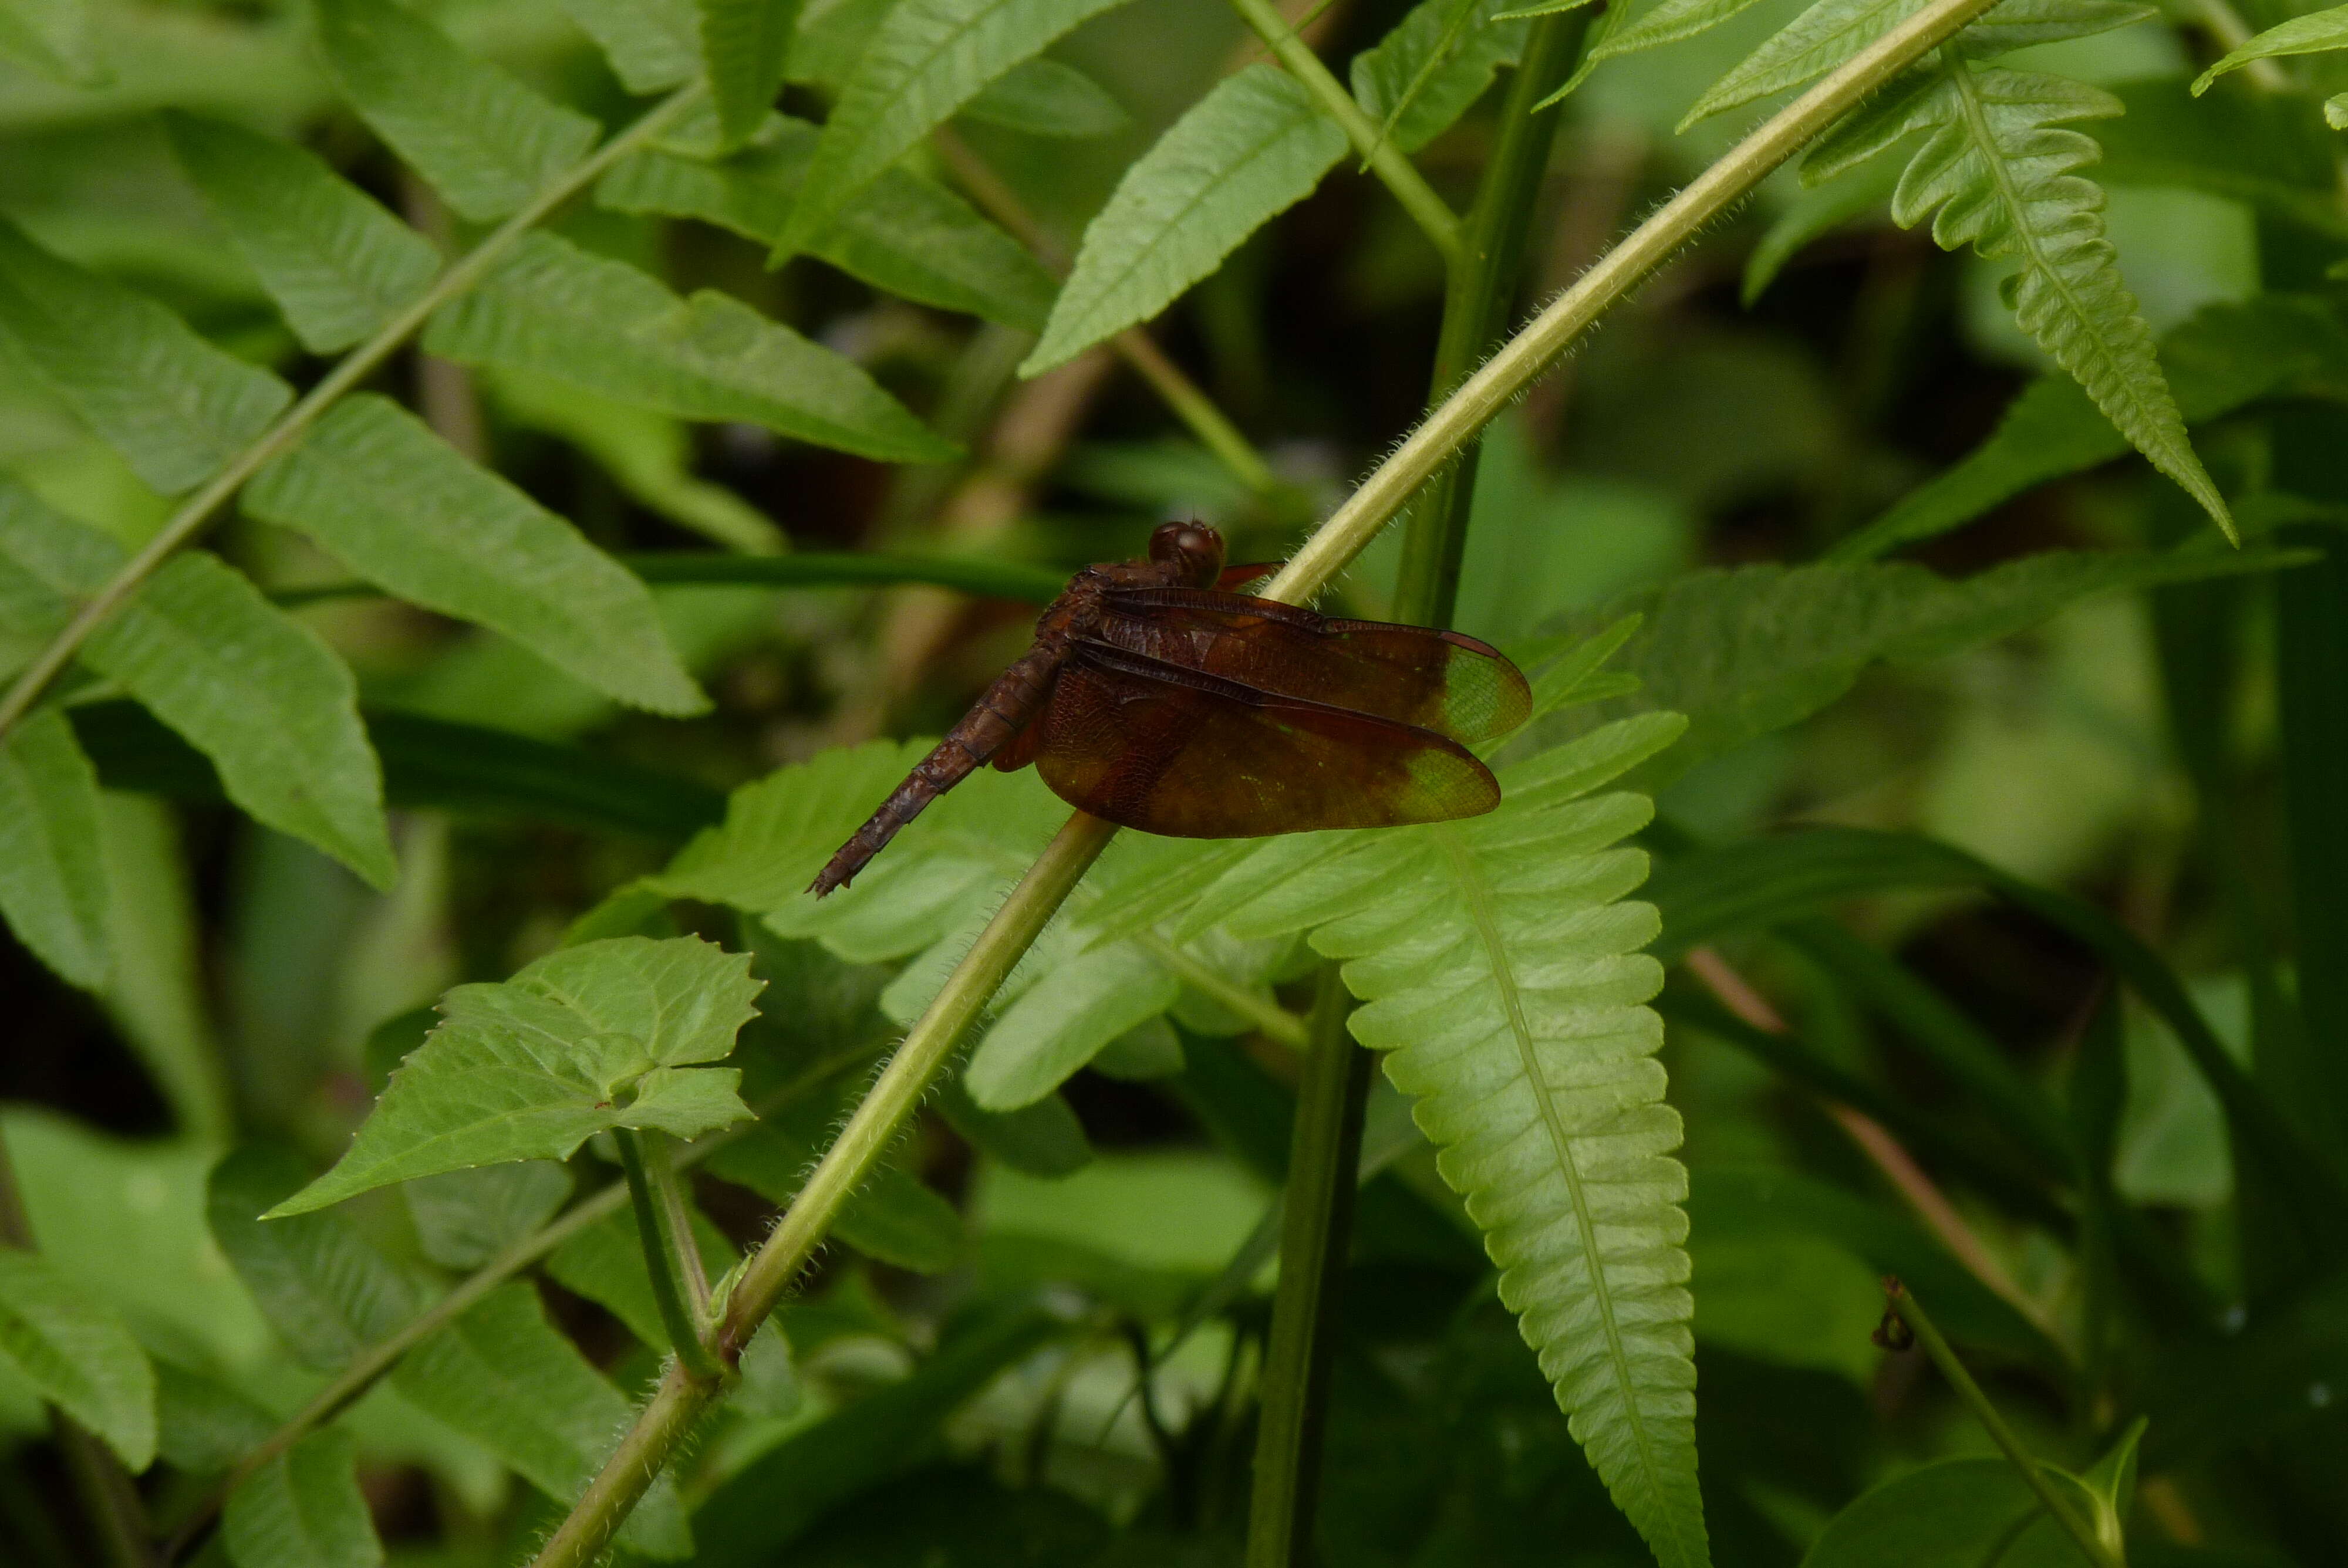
{"x": 338, "y": 264}
{"x": 1955, "y": 1513}
{"x": 261, "y": 696}
{"x": 464, "y": 1218}
{"x": 484, "y": 141}
{"x": 1045, "y": 98}
{"x": 1817, "y": 211}
{"x": 2224, "y": 358}
{"x": 1750, "y": 650}
{"x": 501, "y": 1375}
{"x": 649, "y": 454}
{"x": 903, "y": 233}
{"x": 76, "y": 1354}
{"x": 1043, "y": 1139}
{"x": 52, "y": 38}
{"x": 1666, "y": 22}
{"x": 1252, "y": 148}
{"x": 303, "y": 1510}
{"x": 1435, "y": 63}
{"x": 2026, "y": 23}
{"x": 2316, "y": 33}
{"x": 895, "y": 1218}
{"x": 202, "y": 1426}
{"x": 925, "y": 61}
{"x": 552, "y": 307}
{"x": 770, "y": 1501}
{"x": 745, "y": 45}
{"x": 653, "y": 45}
{"x": 326, "y": 1290}
{"x": 2252, "y": 147}
{"x": 376, "y": 487}
{"x": 605, "y": 1264}
{"x": 175, "y": 407}
{"x": 1498, "y": 968}
{"x": 1996, "y": 172}
{"x": 158, "y": 995}
{"x": 1039, "y": 1041}
{"x": 588, "y": 1038}
{"x": 52, "y": 861}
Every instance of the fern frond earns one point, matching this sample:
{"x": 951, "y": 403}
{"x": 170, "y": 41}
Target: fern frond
{"x": 1996, "y": 170}
{"x": 1501, "y": 973}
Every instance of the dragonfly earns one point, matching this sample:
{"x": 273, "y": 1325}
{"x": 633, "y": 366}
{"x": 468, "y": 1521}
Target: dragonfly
{"x": 1158, "y": 697}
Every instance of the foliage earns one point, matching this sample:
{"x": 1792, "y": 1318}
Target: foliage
{"x": 360, "y": 362}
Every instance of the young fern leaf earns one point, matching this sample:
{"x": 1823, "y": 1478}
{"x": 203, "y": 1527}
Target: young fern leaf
{"x": 1422, "y": 75}
{"x": 1497, "y": 967}
{"x": 1666, "y": 23}
{"x": 1996, "y": 172}
{"x": 2315, "y": 34}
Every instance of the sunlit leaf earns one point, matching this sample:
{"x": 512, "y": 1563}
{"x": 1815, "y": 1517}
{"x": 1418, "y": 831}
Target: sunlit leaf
{"x": 1996, "y": 171}
{"x": 925, "y": 61}
{"x": 1497, "y": 965}
{"x": 744, "y": 46}
{"x": 338, "y": 264}
{"x": 586, "y": 1039}
{"x": 175, "y": 407}
{"x": 1436, "y": 61}
{"x": 75, "y": 1353}
{"x": 374, "y": 486}
{"x": 1044, "y": 97}
{"x": 653, "y": 45}
{"x": 486, "y": 142}
{"x": 902, "y": 233}
{"x": 2318, "y": 32}
{"x": 553, "y": 308}
{"x": 1252, "y": 148}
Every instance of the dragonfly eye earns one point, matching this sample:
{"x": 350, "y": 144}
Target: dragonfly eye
{"x": 1194, "y": 546}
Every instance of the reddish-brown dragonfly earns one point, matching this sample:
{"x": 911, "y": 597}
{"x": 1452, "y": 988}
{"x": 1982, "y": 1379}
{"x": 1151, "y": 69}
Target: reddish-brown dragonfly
{"x": 1158, "y": 699}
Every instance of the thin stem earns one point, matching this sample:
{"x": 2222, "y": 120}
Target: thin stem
{"x": 1928, "y": 1336}
{"x": 1324, "y": 1160}
{"x": 1188, "y": 401}
{"x": 673, "y": 1272}
{"x": 197, "y": 510}
{"x": 1482, "y": 291}
{"x": 894, "y": 1096}
{"x": 1621, "y": 270}
{"x": 1429, "y": 212}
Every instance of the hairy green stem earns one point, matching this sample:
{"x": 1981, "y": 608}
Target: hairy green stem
{"x": 1482, "y": 290}
{"x": 893, "y": 1097}
{"x": 1429, "y": 212}
{"x": 198, "y": 509}
{"x": 1621, "y": 270}
{"x": 666, "y": 1237}
{"x": 1323, "y": 1164}
{"x": 1929, "y": 1334}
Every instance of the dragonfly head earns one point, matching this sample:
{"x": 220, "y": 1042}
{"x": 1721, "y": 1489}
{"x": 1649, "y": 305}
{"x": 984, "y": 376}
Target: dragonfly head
{"x": 1195, "y": 548}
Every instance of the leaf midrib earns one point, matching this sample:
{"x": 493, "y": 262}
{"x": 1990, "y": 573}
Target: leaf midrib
{"x": 1476, "y": 896}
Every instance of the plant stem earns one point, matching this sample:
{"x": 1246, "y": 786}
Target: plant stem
{"x": 1324, "y": 1157}
{"x": 665, "y": 1236}
{"x": 1937, "y": 1347}
{"x": 894, "y": 1095}
{"x": 1429, "y": 212}
{"x": 1187, "y": 399}
{"x": 1476, "y": 308}
{"x": 1615, "y": 274}
{"x": 197, "y": 510}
